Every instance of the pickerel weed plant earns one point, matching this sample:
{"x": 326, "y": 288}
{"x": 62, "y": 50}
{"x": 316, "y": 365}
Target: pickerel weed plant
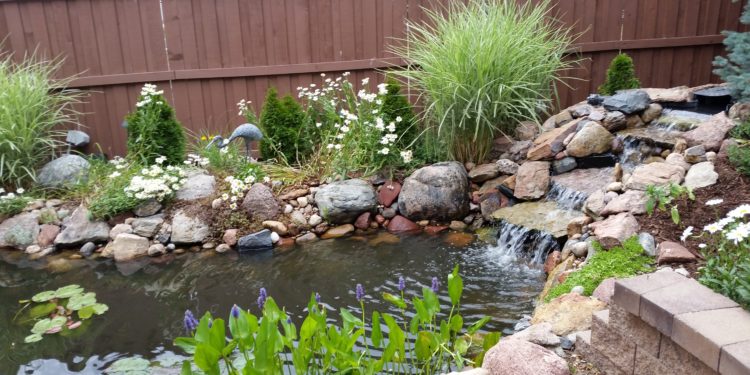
{"x": 273, "y": 344}
{"x": 662, "y": 197}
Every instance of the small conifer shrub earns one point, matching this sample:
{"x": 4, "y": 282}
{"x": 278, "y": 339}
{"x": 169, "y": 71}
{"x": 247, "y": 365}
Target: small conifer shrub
{"x": 735, "y": 68}
{"x": 153, "y": 129}
{"x": 282, "y": 123}
{"x": 620, "y": 76}
{"x": 397, "y": 106}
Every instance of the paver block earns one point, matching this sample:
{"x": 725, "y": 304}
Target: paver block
{"x": 612, "y": 345}
{"x": 594, "y": 356}
{"x": 704, "y": 333}
{"x": 645, "y": 337}
{"x": 735, "y": 359}
{"x": 628, "y": 291}
{"x": 677, "y": 359}
{"x": 646, "y": 364}
{"x": 659, "y": 307}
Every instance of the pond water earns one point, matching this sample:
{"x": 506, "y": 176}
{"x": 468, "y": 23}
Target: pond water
{"x": 147, "y": 298}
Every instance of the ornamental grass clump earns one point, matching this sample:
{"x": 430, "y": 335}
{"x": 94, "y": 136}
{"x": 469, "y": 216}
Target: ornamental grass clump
{"x": 153, "y": 129}
{"x": 33, "y": 109}
{"x": 620, "y": 76}
{"x": 482, "y": 67}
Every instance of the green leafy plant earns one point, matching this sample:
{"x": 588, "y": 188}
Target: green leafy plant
{"x": 735, "y": 68}
{"x": 622, "y": 261}
{"x": 727, "y": 254}
{"x": 396, "y": 106}
{"x": 153, "y": 129}
{"x": 12, "y": 203}
{"x": 284, "y": 135}
{"x": 739, "y": 155}
{"x": 59, "y": 311}
{"x": 665, "y": 196}
{"x": 273, "y": 344}
{"x": 620, "y": 75}
{"x": 483, "y": 66}
{"x": 36, "y": 103}
{"x": 222, "y": 162}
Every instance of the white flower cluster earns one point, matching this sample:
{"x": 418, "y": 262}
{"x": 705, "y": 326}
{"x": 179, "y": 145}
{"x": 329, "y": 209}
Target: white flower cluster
{"x": 734, "y": 226}
{"x": 329, "y": 87}
{"x": 7, "y": 195}
{"x": 148, "y": 91}
{"x": 196, "y": 160}
{"x": 156, "y": 182}
{"x": 243, "y": 106}
{"x": 119, "y": 162}
{"x": 237, "y": 189}
{"x": 406, "y": 156}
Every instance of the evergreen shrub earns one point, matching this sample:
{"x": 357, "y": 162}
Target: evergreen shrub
{"x": 620, "y": 76}
{"x": 282, "y": 121}
{"x": 153, "y": 130}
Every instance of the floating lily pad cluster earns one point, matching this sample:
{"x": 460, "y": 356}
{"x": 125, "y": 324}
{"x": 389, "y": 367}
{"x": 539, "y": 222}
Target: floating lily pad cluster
{"x": 60, "y": 310}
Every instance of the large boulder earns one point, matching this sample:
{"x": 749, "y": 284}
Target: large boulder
{"x": 128, "y": 247}
{"x": 439, "y": 191}
{"x": 259, "y": 241}
{"x": 532, "y": 180}
{"x": 197, "y": 186}
{"x": 701, "y": 175}
{"x": 66, "y": 170}
{"x": 659, "y": 173}
{"x": 591, "y": 139}
{"x": 520, "y": 357}
{"x": 549, "y": 143}
{"x": 615, "y": 229}
{"x": 20, "y": 231}
{"x": 188, "y": 226}
{"x": 260, "y": 203}
{"x": 78, "y": 229}
{"x": 342, "y": 202}
{"x": 568, "y": 313}
{"x": 627, "y": 102}
{"x": 710, "y": 133}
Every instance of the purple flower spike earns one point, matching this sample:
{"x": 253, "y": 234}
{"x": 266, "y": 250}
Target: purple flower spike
{"x": 190, "y": 322}
{"x": 262, "y": 298}
{"x": 360, "y": 292}
{"x": 317, "y": 298}
{"x": 401, "y": 284}
{"x": 435, "y": 284}
{"x": 288, "y": 320}
{"x": 235, "y": 311}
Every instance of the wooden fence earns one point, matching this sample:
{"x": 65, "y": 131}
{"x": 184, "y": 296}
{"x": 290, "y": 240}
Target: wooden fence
{"x": 209, "y": 54}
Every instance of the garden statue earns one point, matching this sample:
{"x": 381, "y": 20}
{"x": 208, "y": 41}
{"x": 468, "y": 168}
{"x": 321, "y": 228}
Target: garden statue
{"x": 248, "y": 132}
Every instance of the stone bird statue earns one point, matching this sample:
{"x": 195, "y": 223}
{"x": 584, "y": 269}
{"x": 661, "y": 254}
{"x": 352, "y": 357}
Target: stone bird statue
{"x": 248, "y": 132}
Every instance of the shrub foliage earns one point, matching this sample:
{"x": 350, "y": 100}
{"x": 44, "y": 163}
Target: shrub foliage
{"x": 153, "y": 130}
{"x": 282, "y": 123}
{"x": 620, "y": 75}
{"x": 735, "y": 68}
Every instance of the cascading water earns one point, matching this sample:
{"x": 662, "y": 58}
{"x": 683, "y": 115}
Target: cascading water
{"x": 517, "y": 242}
{"x": 631, "y": 154}
{"x": 566, "y": 198}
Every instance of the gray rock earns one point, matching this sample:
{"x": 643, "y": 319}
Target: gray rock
{"x": 507, "y": 166}
{"x": 563, "y": 165}
{"x": 20, "y": 231}
{"x": 156, "y": 249}
{"x": 188, "y": 228}
{"x": 484, "y": 172}
{"x": 343, "y": 201}
{"x": 147, "y": 208}
{"x": 78, "y": 229}
{"x": 260, "y": 203}
{"x": 581, "y": 110}
{"x": 701, "y": 175}
{"x": 540, "y": 334}
{"x": 298, "y": 218}
{"x": 695, "y": 154}
{"x": 578, "y": 289}
{"x": 520, "y": 357}
{"x": 614, "y": 120}
{"x": 532, "y": 180}
{"x": 306, "y": 238}
{"x": 315, "y": 220}
{"x": 66, "y": 170}
{"x": 518, "y": 150}
{"x": 651, "y": 113}
{"x": 648, "y": 243}
{"x": 77, "y": 138}
{"x": 147, "y": 226}
{"x": 87, "y": 249}
{"x": 627, "y": 102}
{"x": 197, "y": 186}
{"x": 591, "y": 139}
{"x": 222, "y": 248}
{"x": 165, "y": 232}
{"x": 128, "y": 247}
{"x": 389, "y": 212}
{"x": 579, "y": 249}
{"x": 119, "y": 229}
{"x": 439, "y": 192}
{"x": 259, "y": 241}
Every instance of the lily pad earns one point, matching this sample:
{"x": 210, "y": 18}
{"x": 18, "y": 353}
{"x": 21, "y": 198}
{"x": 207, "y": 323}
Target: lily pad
{"x": 100, "y": 308}
{"x": 129, "y": 366}
{"x": 43, "y": 296}
{"x": 68, "y": 291}
{"x": 80, "y": 301}
{"x": 33, "y": 338}
{"x": 39, "y": 311}
{"x": 42, "y": 326}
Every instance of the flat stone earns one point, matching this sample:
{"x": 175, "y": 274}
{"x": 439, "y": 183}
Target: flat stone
{"x": 540, "y": 334}
{"x": 306, "y": 238}
{"x": 701, "y": 175}
{"x": 735, "y": 358}
{"x": 188, "y": 228}
{"x": 660, "y": 306}
{"x": 484, "y": 172}
{"x": 399, "y": 224}
{"x": 586, "y": 181}
{"x": 550, "y": 142}
{"x": 258, "y": 241}
{"x": 710, "y": 133}
{"x": 276, "y": 226}
{"x": 545, "y": 216}
{"x": 532, "y": 180}
{"x": 339, "y": 231}
{"x": 614, "y": 230}
{"x": 77, "y": 229}
{"x": 627, "y": 102}
{"x": 673, "y": 252}
{"x": 197, "y": 186}
{"x": 605, "y": 290}
{"x": 568, "y": 313}
{"x": 388, "y": 193}
{"x": 147, "y": 226}
{"x": 704, "y": 333}
{"x": 633, "y": 201}
{"x": 294, "y": 194}
{"x": 660, "y": 174}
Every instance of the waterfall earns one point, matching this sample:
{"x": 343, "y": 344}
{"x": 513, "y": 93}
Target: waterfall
{"x": 631, "y": 153}
{"x": 517, "y": 242}
{"x": 566, "y": 198}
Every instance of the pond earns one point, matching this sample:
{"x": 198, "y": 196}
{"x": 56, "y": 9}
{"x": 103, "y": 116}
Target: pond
{"x": 148, "y": 298}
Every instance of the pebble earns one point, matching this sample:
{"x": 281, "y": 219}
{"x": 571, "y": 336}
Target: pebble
{"x": 288, "y": 209}
{"x": 171, "y": 247}
{"x": 315, "y": 220}
{"x": 275, "y": 237}
{"x": 156, "y": 250}
{"x": 578, "y": 289}
{"x": 216, "y": 203}
{"x": 209, "y": 245}
{"x": 87, "y": 249}
{"x": 457, "y": 225}
{"x": 223, "y": 248}
{"x": 302, "y": 201}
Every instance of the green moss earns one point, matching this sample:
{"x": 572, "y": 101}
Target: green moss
{"x": 620, "y": 76}
{"x": 284, "y": 135}
{"x": 624, "y": 261}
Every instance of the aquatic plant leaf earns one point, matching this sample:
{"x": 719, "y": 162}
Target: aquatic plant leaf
{"x": 58, "y": 321}
{"x": 33, "y": 338}
{"x": 394, "y": 299}
{"x": 377, "y": 333}
{"x": 80, "y": 301}
{"x": 39, "y": 311}
{"x": 129, "y": 366}
{"x": 68, "y": 291}
{"x": 86, "y": 312}
{"x": 43, "y": 296}
{"x": 42, "y": 326}
{"x": 455, "y": 286}
{"x": 478, "y": 325}
{"x": 100, "y": 308}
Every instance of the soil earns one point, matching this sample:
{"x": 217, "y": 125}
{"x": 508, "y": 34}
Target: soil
{"x": 579, "y": 366}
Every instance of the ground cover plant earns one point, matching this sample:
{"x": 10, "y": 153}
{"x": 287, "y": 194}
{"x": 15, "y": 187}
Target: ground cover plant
{"x": 12, "y": 203}
{"x": 481, "y": 67}
{"x": 620, "y": 75}
{"x": 153, "y": 129}
{"x": 34, "y": 109}
{"x": 665, "y": 199}
{"x": 272, "y": 343}
{"x": 621, "y": 261}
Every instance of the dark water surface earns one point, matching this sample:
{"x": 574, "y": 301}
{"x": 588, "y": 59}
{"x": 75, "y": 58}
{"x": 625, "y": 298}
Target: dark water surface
{"x": 147, "y": 298}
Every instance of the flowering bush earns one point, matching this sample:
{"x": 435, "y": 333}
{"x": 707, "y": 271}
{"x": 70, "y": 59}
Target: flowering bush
{"x": 246, "y": 110}
{"x": 727, "y": 253}
{"x": 12, "y": 203}
{"x": 430, "y": 342}
{"x": 352, "y": 129}
{"x": 153, "y": 130}
{"x": 155, "y": 182}
{"x": 241, "y": 183}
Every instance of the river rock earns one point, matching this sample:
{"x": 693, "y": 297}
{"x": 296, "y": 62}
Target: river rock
{"x": 507, "y": 166}
{"x": 520, "y": 357}
{"x": 77, "y": 229}
{"x": 673, "y": 252}
{"x": 660, "y": 173}
{"x": 563, "y": 165}
{"x": 223, "y": 248}
{"x": 591, "y": 139}
{"x": 527, "y": 130}
{"x": 695, "y": 154}
{"x": 147, "y": 226}
{"x": 338, "y": 231}
{"x": 156, "y": 250}
{"x": 484, "y": 172}
{"x": 87, "y": 249}
{"x": 47, "y": 235}
{"x": 294, "y": 194}
{"x": 568, "y": 313}
{"x": 363, "y": 221}
{"x": 388, "y": 193}
{"x": 343, "y": 201}
{"x": 580, "y": 110}
{"x": 189, "y": 227}
{"x": 436, "y": 192}
{"x": 648, "y": 243}
{"x": 710, "y": 133}
{"x": 230, "y": 237}
{"x": 20, "y": 231}
{"x": 258, "y": 241}
{"x": 615, "y": 229}
{"x": 67, "y": 170}
{"x": 627, "y": 102}
{"x": 400, "y": 224}
{"x": 197, "y": 186}
{"x": 275, "y": 226}
{"x": 651, "y": 113}
{"x": 614, "y": 121}
{"x": 550, "y": 142}
{"x": 605, "y": 290}
{"x": 128, "y": 246}
{"x": 678, "y": 160}
{"x": 532, "y": 180}
{"x": 701, "y": 175}
{"x": 557, "y": 120}
{"x": 147, "y": 208}
{"x": 540, "y": 334}
{"x": 633, "y": 201}
{"x": 491, "y": 202}
{"x": 314, "y": 220}
{"x": 260, "y": 203}
{"x": 306, "y": 238}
